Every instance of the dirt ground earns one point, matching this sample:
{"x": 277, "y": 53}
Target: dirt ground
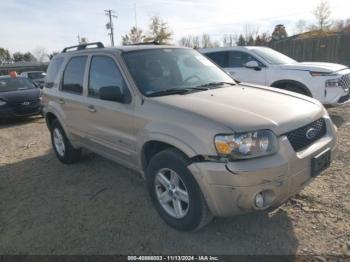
{"x": 99, "y": 207}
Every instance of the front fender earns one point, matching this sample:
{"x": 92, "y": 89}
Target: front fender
{"x": 189, "y": 142}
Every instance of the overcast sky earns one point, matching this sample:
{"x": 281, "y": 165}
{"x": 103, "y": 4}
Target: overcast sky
{"x": 54, "y": 24}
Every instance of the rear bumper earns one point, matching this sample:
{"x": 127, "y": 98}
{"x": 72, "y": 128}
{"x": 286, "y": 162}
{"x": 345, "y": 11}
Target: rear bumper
{"x": 231, "y": 188}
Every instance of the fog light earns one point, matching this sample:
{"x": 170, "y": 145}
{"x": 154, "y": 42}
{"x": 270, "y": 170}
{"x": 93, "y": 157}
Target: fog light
{"x": 259, "y": 200}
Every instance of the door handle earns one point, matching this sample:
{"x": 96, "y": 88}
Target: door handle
{"x": 232, "y": 73}
{"x": 61, "y": 101}
{"x": 92, "y": 109}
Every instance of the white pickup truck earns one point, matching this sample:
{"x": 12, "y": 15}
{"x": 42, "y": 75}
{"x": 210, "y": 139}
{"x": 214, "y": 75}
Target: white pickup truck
{"x": 329, "y": 83}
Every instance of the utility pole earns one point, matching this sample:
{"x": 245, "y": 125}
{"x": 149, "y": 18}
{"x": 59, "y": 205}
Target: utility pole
{"x": 109, "y": 25}
{"x": 135, "y": 14}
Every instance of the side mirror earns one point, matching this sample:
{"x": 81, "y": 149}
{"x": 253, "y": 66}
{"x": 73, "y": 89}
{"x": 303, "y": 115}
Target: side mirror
{"x": 253, "y": 65}
{"x": 111, "y": 93}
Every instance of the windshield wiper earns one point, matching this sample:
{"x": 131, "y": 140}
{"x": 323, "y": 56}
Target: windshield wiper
{"x": 175, "y": 91}
{"x": 213, "y": 84}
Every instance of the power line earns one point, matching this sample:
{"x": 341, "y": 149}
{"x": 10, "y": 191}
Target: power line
{"x": 109, "y": 25}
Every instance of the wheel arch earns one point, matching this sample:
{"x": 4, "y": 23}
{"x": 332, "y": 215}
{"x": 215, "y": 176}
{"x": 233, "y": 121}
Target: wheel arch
{"x": 50, "y": 117}
{"x": 280, "y": 84}
{"x": 154, "y": 146}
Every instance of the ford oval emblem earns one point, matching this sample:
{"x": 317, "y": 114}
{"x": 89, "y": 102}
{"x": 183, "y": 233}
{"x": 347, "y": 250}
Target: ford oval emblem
{"x": 311, "y": 133}
{"x": 26, "y": 103}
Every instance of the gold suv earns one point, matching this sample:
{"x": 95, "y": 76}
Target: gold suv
{"x": 206, "y": 145}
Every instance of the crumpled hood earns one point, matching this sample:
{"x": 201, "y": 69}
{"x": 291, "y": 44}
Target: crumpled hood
{"x": 248, "y": 108}
{"x": 315, "y": 67}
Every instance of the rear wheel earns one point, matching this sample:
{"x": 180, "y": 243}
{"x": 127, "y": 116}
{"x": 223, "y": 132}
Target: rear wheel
{"x": 64, "y": 151}
{"x": 175, "y": 193}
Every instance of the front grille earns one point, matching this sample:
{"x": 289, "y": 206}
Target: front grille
{"x": 31, "y": 108}
{"x": 302, "y": 137}
{"x": 29, "y": 103}
{"x": 345, "y": 81}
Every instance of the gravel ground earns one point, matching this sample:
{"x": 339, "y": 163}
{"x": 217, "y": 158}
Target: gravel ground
{"x": 99, "y": 207}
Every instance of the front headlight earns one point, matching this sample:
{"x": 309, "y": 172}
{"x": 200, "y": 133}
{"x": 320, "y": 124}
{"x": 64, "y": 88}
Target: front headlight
{"x": 333, "y": 82}
{"x": 247, "y": 145}
{"x": 2, "y": 102}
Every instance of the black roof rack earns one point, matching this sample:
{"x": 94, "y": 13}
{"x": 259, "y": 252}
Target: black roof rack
{"x": 83, "y": 46}
{"x": 146, "y": 43}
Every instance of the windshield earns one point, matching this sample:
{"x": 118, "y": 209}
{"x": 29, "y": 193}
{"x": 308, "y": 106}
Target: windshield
{"x": 36, "y": 75}
{"x": 273, "y": 57}
{"x": 158, "y": 70}
{"x": 14, "y": 84}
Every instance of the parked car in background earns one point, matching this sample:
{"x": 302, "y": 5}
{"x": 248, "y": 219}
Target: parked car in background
{"x": 38, "y": 77}
{"x": 206, "y": 145}
{"x": 19, "y": 97}
{"x": 329, "y": 83}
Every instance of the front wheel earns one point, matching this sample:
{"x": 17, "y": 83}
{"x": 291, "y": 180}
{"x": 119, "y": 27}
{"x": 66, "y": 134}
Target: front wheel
{"x": 64, "y": 151}
{"x": 175, "y": 193}
{"x": 296, "y": 89}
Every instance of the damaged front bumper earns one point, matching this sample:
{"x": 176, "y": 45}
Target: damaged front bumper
{"x": 231, "y": 188}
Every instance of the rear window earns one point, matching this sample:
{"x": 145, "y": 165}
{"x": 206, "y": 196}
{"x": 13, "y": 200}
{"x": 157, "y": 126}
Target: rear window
{"x": 15, "y": 84}
{"x": 73, "y": 76}
{"x": 36, "y": 75}
{"x": 219, "y": 58}
{"x": 52, "y": 71}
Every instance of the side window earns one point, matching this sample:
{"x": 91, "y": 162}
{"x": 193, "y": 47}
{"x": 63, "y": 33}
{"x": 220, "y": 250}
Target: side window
{"x": 105, "y": 73}
{"x": 239, "y": 59}
{"x": 73, "y": 77}
{"x": 220, "y": 58}
{"x": 52, "y": 71}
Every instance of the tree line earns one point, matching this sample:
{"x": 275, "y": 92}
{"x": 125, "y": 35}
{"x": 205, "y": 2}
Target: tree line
{"x": 158, "y": 31}
{"x": 39, "y": 54}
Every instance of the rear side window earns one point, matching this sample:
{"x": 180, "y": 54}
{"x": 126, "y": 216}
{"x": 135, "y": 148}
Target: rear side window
{"x": 220, "y": 58}
{"x": 52, "y": 71}
{"x": 105, "y": 73}
{"x": 73, "y": 76}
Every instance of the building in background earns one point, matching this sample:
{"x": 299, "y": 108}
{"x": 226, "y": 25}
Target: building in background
{"x": 22, "y": 67}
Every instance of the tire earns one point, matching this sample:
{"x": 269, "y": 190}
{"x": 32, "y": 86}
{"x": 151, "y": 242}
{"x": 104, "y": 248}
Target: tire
{"x": 195, "y": 213}
{"x": 66, "y": 153}
{"x": 296, "y": 89}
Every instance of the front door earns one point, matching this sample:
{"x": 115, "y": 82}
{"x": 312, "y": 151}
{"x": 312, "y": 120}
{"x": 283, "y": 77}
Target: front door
{"x": 110, "y": 123}
{"x": 238, "y": 71}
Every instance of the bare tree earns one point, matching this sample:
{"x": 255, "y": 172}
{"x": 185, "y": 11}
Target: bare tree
{"x": 338, "y": 25}
{"x": 40, "y": 53}
{"x": 230, "y": 40}
{"x": 190, "y": 41}
{"x": 52, "y": 54}
{"x": 83, "y": 40}
{"x": 134, "y": 36}
{"x": 323, "y": 14}
{"x": 300, "y": 26}
{"x": 250, "y": 31}
{"x": 208, "y": 43}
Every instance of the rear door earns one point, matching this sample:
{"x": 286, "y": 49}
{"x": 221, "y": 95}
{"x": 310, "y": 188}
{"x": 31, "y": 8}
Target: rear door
{"x": 71, "y": 98}
{"x": 110, "y": 124}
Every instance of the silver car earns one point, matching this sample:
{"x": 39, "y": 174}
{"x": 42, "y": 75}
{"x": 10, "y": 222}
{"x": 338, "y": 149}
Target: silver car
{"x": 206, "y": 145}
